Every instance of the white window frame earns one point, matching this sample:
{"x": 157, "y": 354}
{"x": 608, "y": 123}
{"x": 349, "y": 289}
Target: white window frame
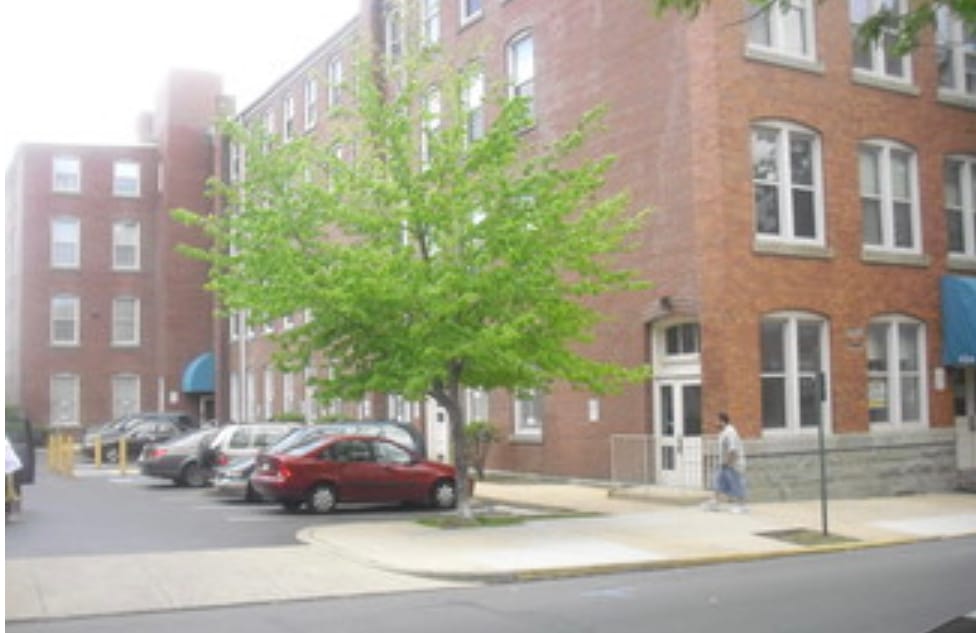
{"x": 954, "y": 47}
{"x": 393, "y": 36}
{"x": 69, "y": 311}
{"x": 311, "y": 102}
{"x": 469, "y": 12}
{"x": 431, "y": 124}
{"x": 430, "y": 22}
{"x": 521, "y": 76}
{"x": 126, "y": 396}
{"x": 60, "y": 226}
{"x": 269, "y": 392}
{"x": 885, "y": 196}
{"x": 288, "y": 393}
{"x": 781, "y": 36}
{"x": 66, "y": 174}
{"x": 474, "y": 106}
{"x": 794, "y": 377}
{"x": 960, "y": 202}
{"x": 893, "y": 375}
{"x": 126, "y": 237}
{"x": 65, "y": 400}
{"x": 783, "y": 181}
{"x": 476, "y": 405}
{"x": 334, "y": 74}
{"x": 529, "y": 414}
{"x": 126, "y": 322}
{"x": 860, "y": 10}
{"x": 126, "y": 179}
{"x": 288, "y": 119}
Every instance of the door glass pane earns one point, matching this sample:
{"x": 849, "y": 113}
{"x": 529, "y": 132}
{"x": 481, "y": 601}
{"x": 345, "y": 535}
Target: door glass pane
{"x": 910, "y": 399}
{"x": 667, "y": 411}
{"x": 691, "y": 395}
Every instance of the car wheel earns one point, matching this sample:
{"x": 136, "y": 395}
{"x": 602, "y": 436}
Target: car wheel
{"x": 322, "y": 499}
{"x": 443, "y": 494}
{"x": 193, "y": 475}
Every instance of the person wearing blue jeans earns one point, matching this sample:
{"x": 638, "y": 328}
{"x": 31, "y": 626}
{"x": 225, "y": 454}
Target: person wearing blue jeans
{"x": 730, "y": 478}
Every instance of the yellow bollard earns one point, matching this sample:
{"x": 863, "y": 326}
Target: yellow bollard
{"x": 97, "y": 456}
{"x": 123, "y": 455}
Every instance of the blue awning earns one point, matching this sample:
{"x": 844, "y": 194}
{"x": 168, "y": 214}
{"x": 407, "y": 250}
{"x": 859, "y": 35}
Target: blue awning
{"x": 958, "y": 321}
{"x": 198, "y": 377}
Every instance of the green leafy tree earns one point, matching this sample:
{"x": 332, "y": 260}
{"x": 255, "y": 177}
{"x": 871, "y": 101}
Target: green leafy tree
{"x": 430, "y": 261}
{"x": 906, "y": 28}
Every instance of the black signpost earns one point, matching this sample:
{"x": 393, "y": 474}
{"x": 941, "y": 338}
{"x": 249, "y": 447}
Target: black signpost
{"x": 821, "y": 441}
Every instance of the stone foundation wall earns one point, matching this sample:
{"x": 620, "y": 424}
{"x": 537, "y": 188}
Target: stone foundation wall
{"x": 862, "y": 465}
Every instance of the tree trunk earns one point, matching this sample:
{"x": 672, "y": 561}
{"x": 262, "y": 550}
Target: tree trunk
{"x": 449, "y": 397}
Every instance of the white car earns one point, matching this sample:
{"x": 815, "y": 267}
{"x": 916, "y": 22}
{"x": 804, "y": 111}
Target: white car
{"x": 245, "y": 440}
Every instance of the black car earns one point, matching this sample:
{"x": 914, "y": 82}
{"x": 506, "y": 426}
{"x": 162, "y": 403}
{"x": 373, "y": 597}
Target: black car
{"x": 179, "y": 459}
{"x": 138, "y": 430}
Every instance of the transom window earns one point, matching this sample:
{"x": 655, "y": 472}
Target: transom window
{"x": 521, "y": 68}
{"x": 65, "y": 243}
{"x": 960, "y": 201}
{"x": 65, "y": 310}
{"x": 783, "y": 28}
{"x": 896, "y": 371}
{"x": 125, "y": 321}
{"x": 955, "y": 54}
{"x": 794, "y": 357}
{"x": 125, "y": 245}
{"x": 66, "y": 174}
{"x": 787, "y": 183}
{"x": 682, "y": 340}
{"x": 126, "y": 178}
{"x": 889, "y": 199}
{"x": 876, "y": 58}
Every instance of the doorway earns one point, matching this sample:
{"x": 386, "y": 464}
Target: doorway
{"x": 678, "y": 427}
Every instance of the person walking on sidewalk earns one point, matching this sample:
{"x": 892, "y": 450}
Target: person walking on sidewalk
{"x": 730, "y": 478}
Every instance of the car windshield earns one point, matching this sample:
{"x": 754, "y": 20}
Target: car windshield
{"x": 192, "y": 439}
{"x": 297, "y": 437}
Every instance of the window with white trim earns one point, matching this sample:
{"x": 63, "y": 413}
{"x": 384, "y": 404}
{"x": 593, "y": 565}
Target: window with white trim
{"x": 431, "y": 124}
{"x": 521, "y": 68}
{"x": 126, "y": 235}
{"x": 682, "y": 339}
{"x": 470, "y": 10}
{"x": 288, "y": 393}
{"x": 889, "y": 197}
{"x": 787, "y": 187}
{"x": 65, "y": 242}
{"x": 896, "y": 371}
{"x": 528, "y": 414}
{"x": 877, "y": 59}
{"x": 783, "y": 29}
{"x": 269, "y": 393}
{"x": 126, "y": 179}
{"x": 66, "y": 174}
{"x": 65, "y": 326}
{"x": 430, "y": 22}
{"x": 474, "y": 106}
{"x": 65, "y": 396}
{"x": 125, "y": 321}
{"x": 955, "y": 54}
{"x": 794, "y": 355}
{"x": 475, "y": 404}
{"x": 125, "y": 395}
{"x": 393, "y": 40}
{"x": 334, "y": 77}
{"x": 960, "y": 204}
{"x": 311, "y": 102}
{"x": 288, "y": 119}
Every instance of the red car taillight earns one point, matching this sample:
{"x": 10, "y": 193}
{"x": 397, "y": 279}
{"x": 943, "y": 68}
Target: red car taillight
{"x": 157, "y": 453}
{"x": 222, "y": 459}
{"x": 283, "y": 471}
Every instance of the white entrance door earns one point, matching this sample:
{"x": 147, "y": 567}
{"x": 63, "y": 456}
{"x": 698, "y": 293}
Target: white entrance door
{"x": 964, "y": 399}
{"x": 678, "y": 423}
{"x": 438, "y": 432}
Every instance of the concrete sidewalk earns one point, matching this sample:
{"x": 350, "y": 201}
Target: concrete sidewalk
{"x": 645, "y": 529}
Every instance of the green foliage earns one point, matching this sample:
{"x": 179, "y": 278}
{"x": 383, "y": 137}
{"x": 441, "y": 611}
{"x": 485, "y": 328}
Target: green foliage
{"x": 479, "y": 435}
{"x": 289, "y": 416}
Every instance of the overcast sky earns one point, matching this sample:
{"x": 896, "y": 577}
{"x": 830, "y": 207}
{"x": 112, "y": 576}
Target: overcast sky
{"x": 80, "y": 71}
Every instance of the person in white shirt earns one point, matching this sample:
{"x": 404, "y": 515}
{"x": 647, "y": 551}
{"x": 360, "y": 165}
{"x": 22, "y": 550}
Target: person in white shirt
{"x": 730, "y": 478}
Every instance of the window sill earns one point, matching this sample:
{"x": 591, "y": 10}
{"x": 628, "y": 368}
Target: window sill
{"x": 961, "y": 262}
{"x": 525, "y": 438}
{"x": 884, "y": 83}
{"x": 892, "y": 258}
{"x": 124, "y": 345}
{"x": 771, "y": 56}
{"x": 957, "y": 99}
{"x": 789, "y": 249}
{"x": 73, "y": 345}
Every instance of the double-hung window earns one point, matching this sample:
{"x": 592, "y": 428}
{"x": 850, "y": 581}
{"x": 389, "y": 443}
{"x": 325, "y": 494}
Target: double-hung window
{"x": 955, "y": 55}
{"x": 896, "y": 371}
{"x": 794, "y": 371}
{"x": 475, "y": 404}
{"x": 125, "y": 245}
{"x": 66, "y": 177}
{"x": 474, "y": 106}
{"x": 64, "y": 397}
{"x": 430, "y": 22}
{"x": 787, "y": 189}
{"x": 960, "y": 205}
{"x": 877, "y": 59}
{"x": 65, "y": 242}
{"x": 889, "y": 197}
{"x": 288, "y": 119}
{"x": 528, "y": 414}
{"x": 126, "y": 179}
{"x": 125, "y": 321}
{"x": 334, "y": 78}
{"x": 783, "y": 29}
{"x": 125, "y": 394}
{"x": 393, "y": 31}
{"x": 521, "y": 69}
{"x": 65, "y": 326}
{"x": 311, "y": 102}
{"x": 431, "y": 125}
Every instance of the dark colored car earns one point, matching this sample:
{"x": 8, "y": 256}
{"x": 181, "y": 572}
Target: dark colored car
{"x": 334, "y": 469}
{"x": 139, "y": 430}
{"x": 179, "y": 459}
{"x": 234, "y": 479}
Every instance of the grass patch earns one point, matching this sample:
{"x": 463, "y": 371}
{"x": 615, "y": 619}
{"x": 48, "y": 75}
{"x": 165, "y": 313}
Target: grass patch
{"x": 807, "y": 538}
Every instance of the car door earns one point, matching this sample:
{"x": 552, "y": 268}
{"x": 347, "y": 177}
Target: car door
{"x": 357, "y": 473}
{"x": 399, "y": 479}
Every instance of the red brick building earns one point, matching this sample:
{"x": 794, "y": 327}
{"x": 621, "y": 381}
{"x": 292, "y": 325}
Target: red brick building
{"x": 809, "y": 193}
{"x": 103, "y": 316}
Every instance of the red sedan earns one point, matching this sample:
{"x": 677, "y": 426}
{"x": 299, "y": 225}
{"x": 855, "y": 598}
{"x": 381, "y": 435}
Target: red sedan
{"x": 352, "y": 469}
